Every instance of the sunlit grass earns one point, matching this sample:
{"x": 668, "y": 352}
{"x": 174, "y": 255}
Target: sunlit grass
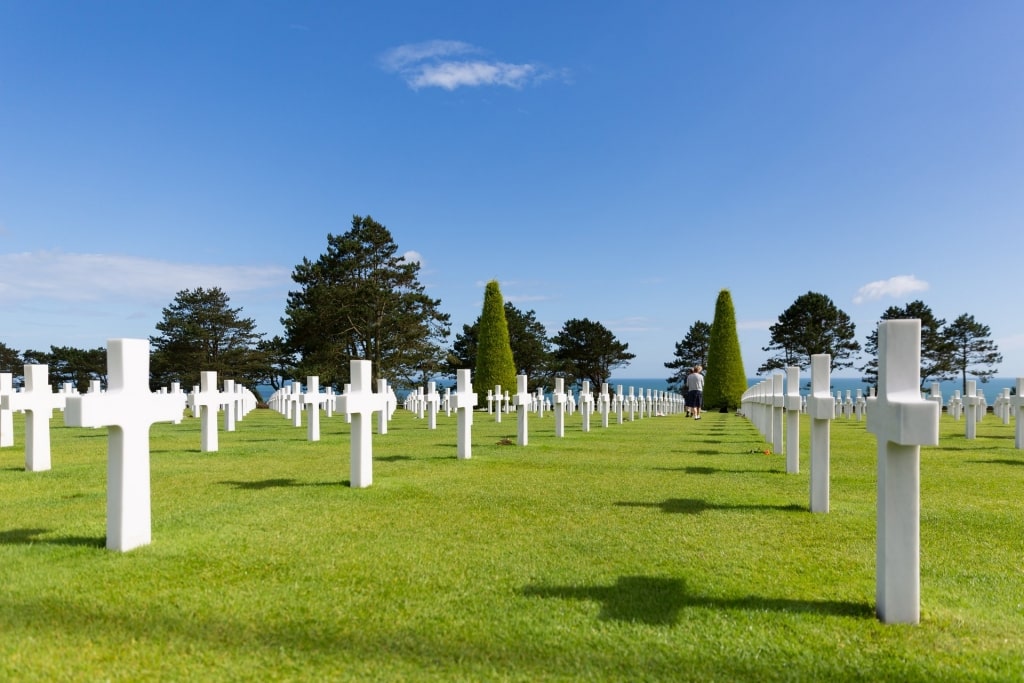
{"x": 662, "y": 549}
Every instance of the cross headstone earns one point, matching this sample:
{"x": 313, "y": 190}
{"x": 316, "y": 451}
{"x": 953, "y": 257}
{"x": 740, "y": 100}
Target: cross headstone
{"x": 902, "y": 421}
{"x": 498, "y": 401}
{"x": 127, "y": 409}
{"x": 522, "y": 401}
{"x": 229, "y": 405}
{"x": 620, "y": 398}
{"x": 38, "y": 402}
{"x": 778, "y": 403}
{"x": 559, "y": 406}
{"x": 605, "y": 404}
{"x": 821, "y": 407}
{"x": 465, "y": 401}
{"x": 389, "y": 405}
{"x": 360, "y": 402}
{"x": 312, "y": 401}
{"x": 206, "y": 402}
{"x": 586, "y": 404}
{"x": 792, "y": 401}
{"x": 432, "y": 401}
{"x": 972, "y": 402}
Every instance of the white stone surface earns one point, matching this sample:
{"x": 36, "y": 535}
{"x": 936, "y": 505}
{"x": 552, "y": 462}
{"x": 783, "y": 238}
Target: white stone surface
{"x": 128, "y": 409}
{"x": 359, "y": 402}
{"x": 902, "y": 421}
{"x": 793, "y": 404}
{"x": 465, "y": 400}
{"x": 38, "y": 401}
{"x": 821, "y": 408}
{"x": 522, "y": 401}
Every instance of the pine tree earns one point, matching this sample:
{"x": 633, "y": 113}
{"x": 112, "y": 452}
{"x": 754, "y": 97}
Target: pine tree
{"x": 726, "y": 379}
{"x": 494, "y": 363}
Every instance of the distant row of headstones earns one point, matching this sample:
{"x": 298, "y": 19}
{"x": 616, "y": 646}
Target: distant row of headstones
{"x": 902, "y": 420}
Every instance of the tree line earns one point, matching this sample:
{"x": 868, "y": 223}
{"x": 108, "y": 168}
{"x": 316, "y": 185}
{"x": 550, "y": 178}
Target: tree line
{"x": 360, "y": 299}
{"x": 813, "y": 324}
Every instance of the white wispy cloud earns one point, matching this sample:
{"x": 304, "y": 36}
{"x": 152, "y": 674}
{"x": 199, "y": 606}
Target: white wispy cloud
{"x": 413, "y": 257}
{"x": 896, "y": 286}
{"x": 632, "y": 324}
{"x": 441, "y": 64}
{"x": 70, "y": 277}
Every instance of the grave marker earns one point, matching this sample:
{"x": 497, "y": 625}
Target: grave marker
{"x": 208, "y": 401}
{"x": 312, "y": 401}
{"x": 821, "y": 407}
{"x": 522, "y": 402}
{"x": 359, "y": 403}
{"x": 38, "y": 402}
{"x": 127, "y": 409}
{"x": 902, "y": 421}
{"x": 792, "y": 406}
{"x": 465, "y": 401}
{"x": 6, "y": 415}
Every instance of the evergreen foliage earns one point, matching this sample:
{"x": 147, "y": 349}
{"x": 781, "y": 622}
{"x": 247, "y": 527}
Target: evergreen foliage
{"x": 70, "y": 364}
{"x": 494, "y": 363}
{"x": 585, "y": 349}
{"x": 935, "y": 350}
{"x": 726, "y": 378}
{"x": 362, "y": 300}
{"x": 531, "y": 348}
{"x": 972, "y": 351}
{"x": 691, "y": 351}
{"x": 201, "y": 332}
{"x": 813, "y": 324}
{"x": 10, "y": 360}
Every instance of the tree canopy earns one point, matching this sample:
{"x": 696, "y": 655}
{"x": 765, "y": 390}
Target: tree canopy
{"x": 200, "y": 332}
{"x": 70, "y": 364}
{"x": 494, "y": 364}
{"x": 531, "y": 348}
{"x": 935, "y": 350}
{"x": 10, "y": 360}
{"x": 726, "y": 377}
{"x": 812, "y": 324}
{"x": 972, "y": 351}
{"x": 690, "y": 351}
{"x": 585, "y": 349}
{"x": 362, "y": 300}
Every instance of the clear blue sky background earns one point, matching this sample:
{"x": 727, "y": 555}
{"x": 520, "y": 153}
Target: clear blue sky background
{"x": 619, "y": 161}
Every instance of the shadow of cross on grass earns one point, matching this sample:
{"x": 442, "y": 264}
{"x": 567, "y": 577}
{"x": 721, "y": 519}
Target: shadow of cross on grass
{"x": 695, "y": 506}
{"x": 658, "y": 601}
{"x": 32, "y": 536}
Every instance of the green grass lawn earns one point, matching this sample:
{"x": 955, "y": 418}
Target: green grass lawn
{"x": 662, "y": 549}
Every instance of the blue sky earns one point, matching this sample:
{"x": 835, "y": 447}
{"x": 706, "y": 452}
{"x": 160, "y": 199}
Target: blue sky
{"x": 621, "y": 162}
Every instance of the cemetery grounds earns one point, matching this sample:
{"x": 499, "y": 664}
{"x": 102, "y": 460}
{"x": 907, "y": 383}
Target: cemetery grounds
{"x": 659, "y": 549}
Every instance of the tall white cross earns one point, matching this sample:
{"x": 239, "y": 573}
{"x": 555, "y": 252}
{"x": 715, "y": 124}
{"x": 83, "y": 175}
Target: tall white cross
{"x": 587, "y": 404}
{"x": 821, "y": 407}
{"x": 38, "y": 402}
{"x": 792, "y": 405}
{"x": 465, "y": 401}
{"x": 127, "y": 409}
{"x": 432, "y": 402}
{"x": 522, "y": 402}
{"x": 558, "y": 407}
{"x": 389, "y": 406}
{"x": 605, "y": 404}
{"x": 902, "y": 422}
{"x": 359, "y": 402}
{"x": 207, "y": 401}
{"x": 497, "y": 402}
{"x": 973, "y": 404}
{"x": 229, "y": 405}
{"x": 778, "y": 403}
{"x": 312, "y": 401}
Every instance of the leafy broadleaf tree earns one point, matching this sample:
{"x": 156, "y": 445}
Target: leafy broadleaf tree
{"x": 971, "y": 350}
{"x": 726, "y": 378}
{"x": 494, "y": 363}
{"x": 361, "y": 300}
{"x": 531, "y": 348}
{"x": 691, "y": 351}
{"x": 585, "y": 349}
{"x": 200, "y": 332}
{"x": 70, "y": 364}
{"x": 935, "y": 350}
{"x": 813, "y": 324}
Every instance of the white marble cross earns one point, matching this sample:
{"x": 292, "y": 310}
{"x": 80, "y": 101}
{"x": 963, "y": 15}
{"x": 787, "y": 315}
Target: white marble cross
{"x": 778, "y": 403}
{"x": 559, "y": 406}
{"x": 497, "y": 402}
{"x": 390, "y": 402}
{"x": 360, "y": 402}
{"x": 522, "y": 401}
{"x": 604, "y": 404}
{"x": 465, "y": 401}
{"x": 38, "y": 402}
{"x": 207, "y": 402}
{"x": 792, "y": 405}
{"x": 6, "y": 416}
{"x": 821, "y": 408}
{"x": 229, "y": 405}
{"x": 973, "y": 403}
{"x": 313, "y": 401}
{"x": 128, "y": 409}
{"x": 432, "y": 402}
{"x": 587, "y": 404}
{"x": 902, "y": 422}
{"x": 620, "y": 399}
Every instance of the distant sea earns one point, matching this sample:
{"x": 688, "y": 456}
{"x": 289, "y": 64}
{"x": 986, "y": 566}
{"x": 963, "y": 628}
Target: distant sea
{"x": 990, "y": 389}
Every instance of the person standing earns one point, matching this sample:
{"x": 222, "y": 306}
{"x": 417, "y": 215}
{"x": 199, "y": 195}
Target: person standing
{"x": 695, "y": 390}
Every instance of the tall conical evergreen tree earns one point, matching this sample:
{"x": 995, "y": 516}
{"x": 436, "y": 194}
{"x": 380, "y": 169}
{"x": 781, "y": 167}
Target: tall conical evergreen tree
{"x": 494, "y": 361}
{"x": 726, "y": 379}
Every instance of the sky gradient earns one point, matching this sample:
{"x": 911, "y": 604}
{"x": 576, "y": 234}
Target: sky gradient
{"x": 621, "y": 162}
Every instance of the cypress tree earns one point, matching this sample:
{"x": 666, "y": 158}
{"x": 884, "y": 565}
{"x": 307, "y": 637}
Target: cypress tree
{"x": 726, "y": 379}
{"x": 494, "y": 362}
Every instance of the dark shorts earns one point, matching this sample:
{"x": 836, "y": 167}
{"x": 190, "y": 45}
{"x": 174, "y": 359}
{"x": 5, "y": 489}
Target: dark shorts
{"x": 694, "y": 398}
